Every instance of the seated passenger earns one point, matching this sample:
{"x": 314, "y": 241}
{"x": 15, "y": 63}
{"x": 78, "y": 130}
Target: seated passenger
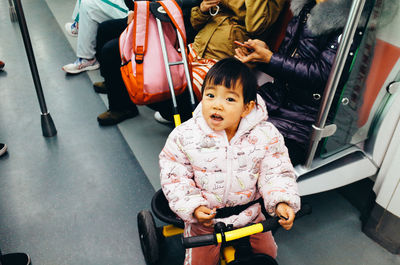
{"x": 89, "y": 14}
{"x": 220, "y": 23}
{"x": 229, "y": 127}
{"x": 301, "y": 68}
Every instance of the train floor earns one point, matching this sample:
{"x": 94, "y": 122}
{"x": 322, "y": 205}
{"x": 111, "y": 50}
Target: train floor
{"x": 73, "y": 198}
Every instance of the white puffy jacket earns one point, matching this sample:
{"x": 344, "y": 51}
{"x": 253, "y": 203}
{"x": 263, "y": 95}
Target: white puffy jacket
{"x": 200, "y": 167}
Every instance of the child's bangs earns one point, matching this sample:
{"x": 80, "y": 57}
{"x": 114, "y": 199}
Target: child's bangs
{"x": 224, "y": 76}
{"x": 229, "y": 83}
{"x": 232, "y": 73}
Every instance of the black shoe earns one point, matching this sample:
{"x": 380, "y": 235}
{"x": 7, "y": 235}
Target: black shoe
{"x": 112, "y": 117}
{"x": 3, "y": 149}
{"x": 100, "y": 87}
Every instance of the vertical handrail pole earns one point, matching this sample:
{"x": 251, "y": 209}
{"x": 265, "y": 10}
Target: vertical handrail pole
{"x": 334, "y": 77}
{"x": 186, "y": 67}
{"x": 48, "y": 127}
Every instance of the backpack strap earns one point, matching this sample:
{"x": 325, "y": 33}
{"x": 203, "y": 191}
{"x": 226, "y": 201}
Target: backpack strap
{"x": 140, "y": 34}
{"x": 174, "y": 12}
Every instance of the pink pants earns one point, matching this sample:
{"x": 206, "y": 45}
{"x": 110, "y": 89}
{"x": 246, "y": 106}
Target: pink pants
{"x": 209, "y": 255}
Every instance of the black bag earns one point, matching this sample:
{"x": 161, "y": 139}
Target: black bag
{"x": 15, "y": 259}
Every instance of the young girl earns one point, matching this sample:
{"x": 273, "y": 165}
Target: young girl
{"x": 228, "y": 155}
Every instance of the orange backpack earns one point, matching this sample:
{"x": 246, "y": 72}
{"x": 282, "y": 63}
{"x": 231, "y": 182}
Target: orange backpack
{"x": 143, "y": 69}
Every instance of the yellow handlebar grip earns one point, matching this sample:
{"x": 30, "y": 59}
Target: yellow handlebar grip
{"x": 241, "y": 232}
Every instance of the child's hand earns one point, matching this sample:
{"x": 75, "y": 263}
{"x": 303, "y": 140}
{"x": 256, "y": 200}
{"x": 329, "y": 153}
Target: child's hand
{"x": 205, "y": 215}
{"x": 286, "y": 213}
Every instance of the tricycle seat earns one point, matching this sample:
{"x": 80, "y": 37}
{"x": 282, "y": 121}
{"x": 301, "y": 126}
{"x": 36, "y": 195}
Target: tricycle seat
{"x": 160, "y": 208}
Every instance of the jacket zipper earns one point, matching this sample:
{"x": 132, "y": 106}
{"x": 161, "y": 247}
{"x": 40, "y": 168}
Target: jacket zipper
{"x": 228, "y": 177}
{"x": 304, "y": 21}
{"x": 293, "y": 53}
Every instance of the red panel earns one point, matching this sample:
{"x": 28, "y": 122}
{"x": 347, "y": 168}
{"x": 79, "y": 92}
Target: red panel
{"x": 385, "y": 57}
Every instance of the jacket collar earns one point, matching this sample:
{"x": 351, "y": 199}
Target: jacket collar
{"x": 328, "y": 16}
{"x": 258, "y": 114}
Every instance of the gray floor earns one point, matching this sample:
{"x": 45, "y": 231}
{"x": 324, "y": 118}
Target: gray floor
{"x": 73, "y": 198}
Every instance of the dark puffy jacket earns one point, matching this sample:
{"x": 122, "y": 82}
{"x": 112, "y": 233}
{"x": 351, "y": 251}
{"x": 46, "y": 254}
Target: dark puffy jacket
{"x": 302, "y": 65}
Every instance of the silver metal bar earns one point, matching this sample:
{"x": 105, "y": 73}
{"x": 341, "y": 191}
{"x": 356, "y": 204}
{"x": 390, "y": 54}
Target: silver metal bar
{"x": 334, "y": 76}
{"x": 185, "y": 65}
{"x": 175, "y": 63}
{"x": 165, "y": 56}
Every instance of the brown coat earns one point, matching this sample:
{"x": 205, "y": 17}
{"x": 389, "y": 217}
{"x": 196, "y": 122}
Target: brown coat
{"x": 236, "y": 20}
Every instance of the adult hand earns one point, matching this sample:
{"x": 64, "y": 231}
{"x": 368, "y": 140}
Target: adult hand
{"x": 287, "y": 215}
{"x": 130, "y": 16}
{"x": 205, "y": 215}
{"x": 207, "y": 4}
{"x": 260, "y": 52}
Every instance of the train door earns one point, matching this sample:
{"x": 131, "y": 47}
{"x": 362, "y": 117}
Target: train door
{"x": 352, "y": 143}
{"x": 362, "y": 138}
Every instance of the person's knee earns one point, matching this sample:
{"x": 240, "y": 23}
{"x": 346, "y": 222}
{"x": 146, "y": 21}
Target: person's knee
{"x": 110, "y": 51}
{"x": 110, "y": 58}
{"x": 101, "y": 35}
{"x": 87, "y": 5}
{"x": 84, "y": 5}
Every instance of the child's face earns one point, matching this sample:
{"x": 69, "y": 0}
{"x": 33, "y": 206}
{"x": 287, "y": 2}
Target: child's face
{"x": 223, "y": 108}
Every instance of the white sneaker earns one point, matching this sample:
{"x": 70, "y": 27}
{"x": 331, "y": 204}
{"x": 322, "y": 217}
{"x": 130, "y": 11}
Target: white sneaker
{"x": 81, "y": 65}
{"x": 160, "y": 119}
{"x": 72, "y": 28}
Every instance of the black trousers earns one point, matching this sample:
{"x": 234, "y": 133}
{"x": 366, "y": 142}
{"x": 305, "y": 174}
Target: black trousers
{"x": 108, "y": 30}
{"x": 109, "y": 57}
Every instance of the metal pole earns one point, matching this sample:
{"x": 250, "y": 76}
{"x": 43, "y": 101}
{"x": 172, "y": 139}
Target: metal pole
{"x": 177, "y": 118}
{"x": 187, "y": 72}
{"x": 48, "y": 127}
{"x": 334, "y": 77}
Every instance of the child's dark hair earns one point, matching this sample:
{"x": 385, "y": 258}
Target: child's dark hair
{"x": 227, "y": 72}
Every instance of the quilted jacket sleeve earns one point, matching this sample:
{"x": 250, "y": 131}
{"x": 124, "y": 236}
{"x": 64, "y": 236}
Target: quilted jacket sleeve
{"x": 306, "y": 72}
{"x": 177, "y": 180}
{"x": 277, "y": 180}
